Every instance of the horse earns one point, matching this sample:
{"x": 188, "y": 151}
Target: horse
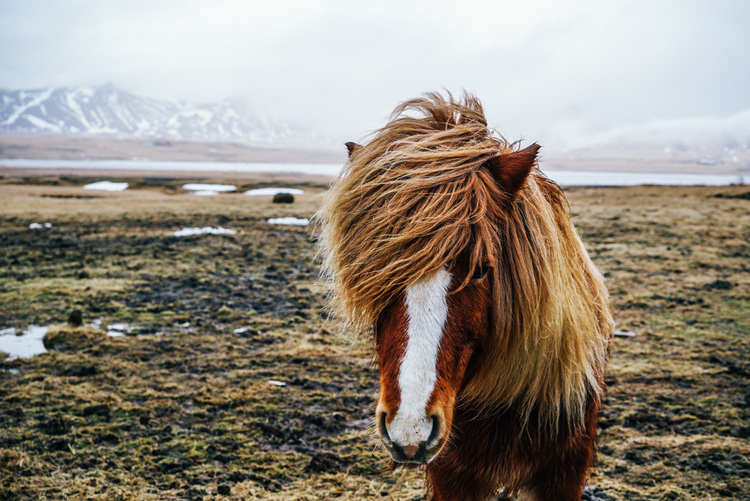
{"x": 490, "y": 323}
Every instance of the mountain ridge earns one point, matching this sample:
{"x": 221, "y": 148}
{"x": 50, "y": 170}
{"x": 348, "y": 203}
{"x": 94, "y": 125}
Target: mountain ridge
{"x": 109, "y": 111}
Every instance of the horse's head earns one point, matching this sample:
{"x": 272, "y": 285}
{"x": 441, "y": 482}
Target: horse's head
{"x": 412, "y": 239}
{"x": 424, "y": 343}
{"x": 428, "y": 341}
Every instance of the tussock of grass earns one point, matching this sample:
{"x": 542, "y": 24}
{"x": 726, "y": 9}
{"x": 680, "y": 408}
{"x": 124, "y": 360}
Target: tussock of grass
{"x": 67, "y": 337}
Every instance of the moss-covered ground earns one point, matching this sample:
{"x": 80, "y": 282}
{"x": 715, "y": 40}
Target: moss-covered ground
{"x": 187, "y": 405}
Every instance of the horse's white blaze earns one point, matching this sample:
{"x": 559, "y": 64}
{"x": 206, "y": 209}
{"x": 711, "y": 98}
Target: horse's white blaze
{"x": 427, "y": 311}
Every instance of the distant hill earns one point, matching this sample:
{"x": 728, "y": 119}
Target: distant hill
{"x": 705, "y": 144}
{"x": 108, "y": 111}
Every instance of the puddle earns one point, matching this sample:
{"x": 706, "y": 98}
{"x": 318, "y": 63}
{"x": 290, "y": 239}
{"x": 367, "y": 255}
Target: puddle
{"x": 29, "y": 342}
{"x": 121, "y": 329}
{"x": 25, "y": 345}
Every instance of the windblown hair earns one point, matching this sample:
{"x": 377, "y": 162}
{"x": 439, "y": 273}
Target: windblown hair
{"x": 419, "y": 196}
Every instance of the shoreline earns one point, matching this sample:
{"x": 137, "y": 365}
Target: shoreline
{"x": 633, "y": 160}
{"x": 322, "y": 173}
{"x": 261, "y": 177}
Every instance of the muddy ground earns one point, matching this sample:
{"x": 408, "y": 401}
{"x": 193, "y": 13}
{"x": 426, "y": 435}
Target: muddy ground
{"x": 185, "y": 406}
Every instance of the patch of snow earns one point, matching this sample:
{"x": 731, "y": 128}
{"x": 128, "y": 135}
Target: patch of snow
{"x": 209, "y": 187}
{"x": 274, "y": 191}
{"x": 74, "y": 107}
{"x": 39, "y": 226}
{"x": 40, "y": 123}
{"x": 276, "y": 383}
{"x": 205, "y": 193}
{"x": 624, "y": 334}
{"x": 106, "y": 186}
{"x": 294, "y": 221}
{"x": 101, "y": 130}
{"x": 23, "y": 107}
{"x": 118, "y": 330}
{"x": 26, "y": 345}
{"x": 186, "y": 232}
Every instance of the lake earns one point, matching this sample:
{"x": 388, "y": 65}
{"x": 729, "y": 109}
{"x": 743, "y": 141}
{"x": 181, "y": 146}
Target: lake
{"x": 566, "y": 178}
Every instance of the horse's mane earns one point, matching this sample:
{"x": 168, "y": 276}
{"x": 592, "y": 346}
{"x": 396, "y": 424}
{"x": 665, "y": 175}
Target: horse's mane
{"x": 419, "y": 195}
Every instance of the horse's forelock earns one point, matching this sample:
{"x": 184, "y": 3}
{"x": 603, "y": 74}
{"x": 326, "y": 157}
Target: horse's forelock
{"x": 408, "y": 202}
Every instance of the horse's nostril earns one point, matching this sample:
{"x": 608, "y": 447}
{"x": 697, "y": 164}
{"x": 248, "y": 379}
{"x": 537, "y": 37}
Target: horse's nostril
{"x": 383, "y": 428}
{"x": 435, "y": 432}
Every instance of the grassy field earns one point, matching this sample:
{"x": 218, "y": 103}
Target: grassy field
{"x": 182, "y": 407}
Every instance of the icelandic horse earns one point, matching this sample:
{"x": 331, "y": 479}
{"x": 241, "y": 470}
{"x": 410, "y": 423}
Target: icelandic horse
{"x": 491, "y": 324}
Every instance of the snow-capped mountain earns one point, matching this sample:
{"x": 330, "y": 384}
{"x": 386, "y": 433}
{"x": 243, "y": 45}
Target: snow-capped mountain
{"x": 109, "y": 111}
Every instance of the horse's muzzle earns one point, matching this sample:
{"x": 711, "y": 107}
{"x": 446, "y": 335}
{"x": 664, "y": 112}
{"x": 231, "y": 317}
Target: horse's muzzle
{"x": 419, "y": 453}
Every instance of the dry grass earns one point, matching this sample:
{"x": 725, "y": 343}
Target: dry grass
{"x": 186, "y": 412}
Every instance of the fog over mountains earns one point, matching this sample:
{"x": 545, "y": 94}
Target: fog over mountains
{"x": 108, "y": 111}
{"x": 727, "y": 136}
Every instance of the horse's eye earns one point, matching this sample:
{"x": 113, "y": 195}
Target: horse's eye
{"x": 480, "y": 271}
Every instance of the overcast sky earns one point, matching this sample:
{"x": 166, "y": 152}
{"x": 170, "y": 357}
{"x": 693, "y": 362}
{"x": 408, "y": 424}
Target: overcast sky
{"x": 546, "y": 69}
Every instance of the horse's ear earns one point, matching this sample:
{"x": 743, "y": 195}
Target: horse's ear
{"x": 352, "y": 147}
{"x": 511, "y": 169}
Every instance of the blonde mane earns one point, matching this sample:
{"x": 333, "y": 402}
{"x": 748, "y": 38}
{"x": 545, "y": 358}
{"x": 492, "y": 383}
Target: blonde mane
{"x": 417, "y": 197}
